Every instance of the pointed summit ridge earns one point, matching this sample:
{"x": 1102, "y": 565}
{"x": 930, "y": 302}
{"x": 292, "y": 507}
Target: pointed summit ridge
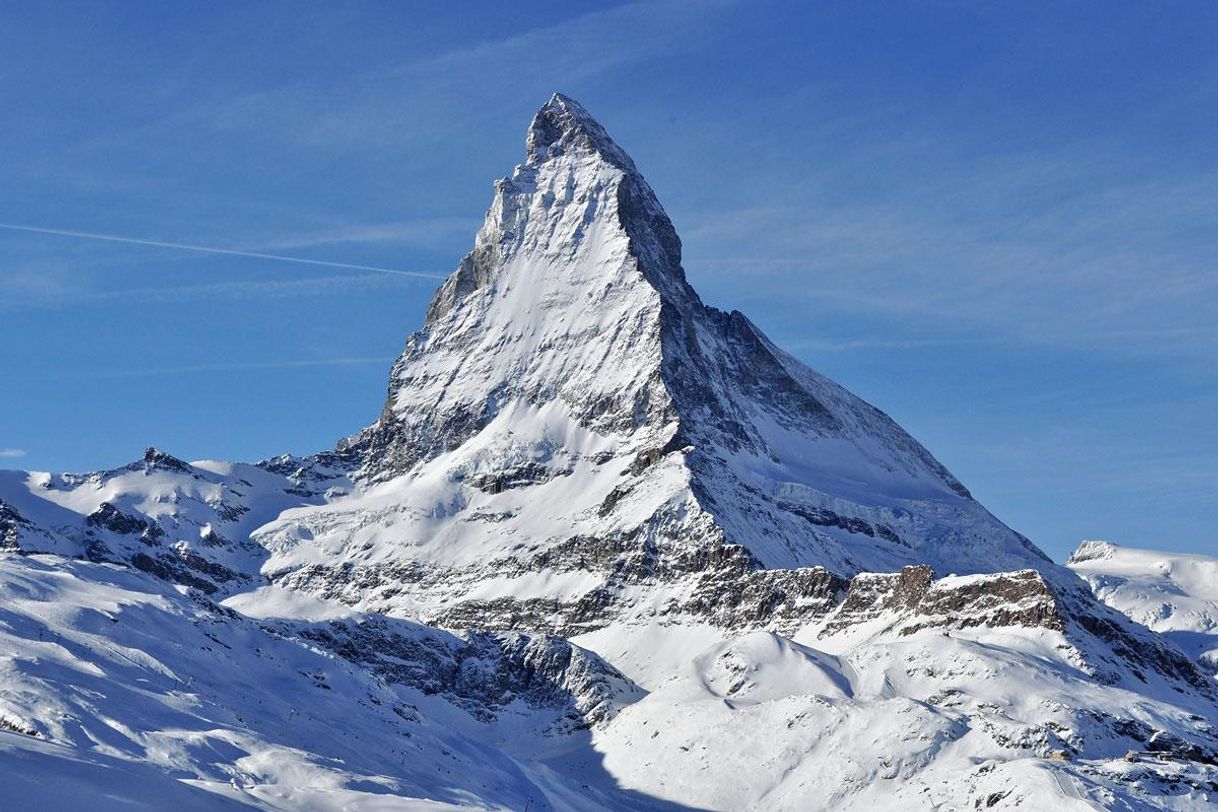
{"x": 563, "y": 125}
{"x": 576, "y": 182}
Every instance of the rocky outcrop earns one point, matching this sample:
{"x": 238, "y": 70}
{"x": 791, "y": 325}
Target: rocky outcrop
{"x": 108, "y": 517}
{"x": 188, "y": 569}
{"x": 12, "y": 524}
{"x": 482, "y": 672}
{"x": 155, "y": 459}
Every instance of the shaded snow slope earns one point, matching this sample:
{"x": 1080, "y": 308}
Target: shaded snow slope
{"x": 110, "y": 675}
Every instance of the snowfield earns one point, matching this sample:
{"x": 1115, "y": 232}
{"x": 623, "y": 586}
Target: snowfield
{"x": 606, "y": 548}
{"x": 1172, "y": 593}
{"x": 110, "y": 675}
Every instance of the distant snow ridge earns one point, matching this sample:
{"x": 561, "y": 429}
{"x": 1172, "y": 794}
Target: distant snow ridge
{"x": 1173, "y": 593}
{"x": 605, "y": 548}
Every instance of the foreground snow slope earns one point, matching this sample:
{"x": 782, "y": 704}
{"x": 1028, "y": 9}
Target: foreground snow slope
{"x": 605, "y": 548}
{"x": 115, "y": 683}
{"x": 110, "y": 676}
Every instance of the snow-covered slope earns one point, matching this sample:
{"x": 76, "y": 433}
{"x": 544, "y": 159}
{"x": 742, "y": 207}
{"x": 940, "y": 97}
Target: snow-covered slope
{"x": 1173, "y": 593}
{"x": 109, "y": 675}
{"x": 886, "y": 717}
{"x": 119, "y": 688}
{"x": 190, "y": 522}
{"x": 605, "y": 548}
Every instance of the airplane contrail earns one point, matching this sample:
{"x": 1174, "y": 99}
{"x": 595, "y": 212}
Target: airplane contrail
{"x": 86, "y": 235}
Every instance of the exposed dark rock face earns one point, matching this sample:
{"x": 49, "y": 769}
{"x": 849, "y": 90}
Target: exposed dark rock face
{"x": 351, "y": 583}
{"x": 187, "y": 569}
{"x": 516, "y": 477}
{"x": 782, "y": 600}
{"x": 12, "y": 524}
{"x": 542, "y": 615}
{"x": 1003, "y": 599}
{"x": 1170, "y": 745}
{"x": 1135, "y": 651}
{"x": 156, "y": 460}
{"x": 108, "y": 517}
{"x": 483, "y": 672}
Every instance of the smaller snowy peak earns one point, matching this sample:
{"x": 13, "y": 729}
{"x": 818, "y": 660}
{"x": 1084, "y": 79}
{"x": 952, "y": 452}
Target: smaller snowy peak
{"x": 1189, "y": 575}
{"x": 185, "y": 522}
{"x": 1091, "y": 551}
{"x": 156, "y": 459}
{"x": 1175, "y": 594}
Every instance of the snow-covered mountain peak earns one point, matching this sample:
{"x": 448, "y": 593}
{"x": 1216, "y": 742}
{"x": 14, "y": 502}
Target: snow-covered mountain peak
{"x": 1175, "y": 594}
{"x": 562, "y": 126}
{"x": 568, "y": 353}
{"x": 1091, "y": 550}
{"x": 577, "y": 196}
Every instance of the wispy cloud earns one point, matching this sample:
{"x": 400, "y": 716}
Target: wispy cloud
{"x": 423, "y": 231}
{"x": 438, "y": 96}
{"x": 231, "y": 252}
{"x": 1079, "y": 261}
{"x": 193, "y": 369}
{"x": 19, "y": 294}
{"x": 12, "y": 453}
{"x": 796, "y": 343}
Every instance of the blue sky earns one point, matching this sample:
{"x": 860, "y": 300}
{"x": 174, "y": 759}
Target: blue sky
{"x": 998, "y": 222}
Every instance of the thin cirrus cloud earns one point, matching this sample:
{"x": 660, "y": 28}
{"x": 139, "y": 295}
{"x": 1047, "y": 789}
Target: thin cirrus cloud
{"x": 241, "y": 367}
{"x": 55, "y": 286}
{"x": 207, "y": 249}
{"x": 12, "y": 453}
{"x": 425, "y": 231}
{"x": 57, "y": 296}
{"x": 435, "y": 96}
{"x": 1124, "y": 263}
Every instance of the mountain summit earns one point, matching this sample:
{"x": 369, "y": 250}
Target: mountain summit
{"x": 563, "y": 125}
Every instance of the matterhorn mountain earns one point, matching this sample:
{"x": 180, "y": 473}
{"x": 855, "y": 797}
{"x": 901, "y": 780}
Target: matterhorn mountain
{"x": 606, "y": 547}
